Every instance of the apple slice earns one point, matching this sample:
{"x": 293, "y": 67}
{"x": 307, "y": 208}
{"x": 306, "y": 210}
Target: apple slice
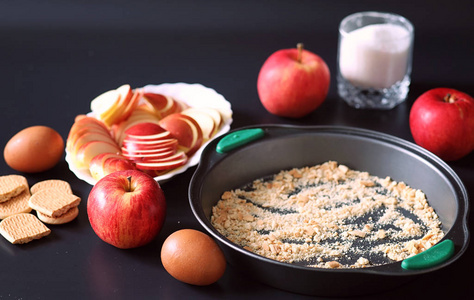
{"x": 72, "y": 138}
{"x": 140, "y": 149}
{"x": 96, "y": 166}
{"x": 151, "y": 150}
{"x": 186, "y": 130}
{"x": 152, "y": 156}
{"x": 89, "y": 150}
{"x": 162, "y": 165}
{"x": 173, "y": 157}
{"x": 215, "y": 114}
{"x": 139, "y": 115}
{"x": 107, "y": 163}
{"x": 116, "y": 105}
{"x": 117, "y": 114}
{"x": 114, "y": 164}
{"x": 105, "y": 103}
{"x": 157, "y": 136}
{"x": 89, "y": 137}
{"x": 131, "y": 105}
{"x": 162, "y": 105}
{"x": 83, "y": 126}
{"x": 144, "y": 130}
{"x": 133, "y": 153}
{"x": 83, "y": 122}
{"x": 182, "y": 105}
{"x": 205, "y": 121}
{"x": 138, "y": 145}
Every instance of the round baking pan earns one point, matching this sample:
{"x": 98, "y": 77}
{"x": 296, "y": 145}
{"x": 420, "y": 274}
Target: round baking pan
{"x": 280, "y": 147}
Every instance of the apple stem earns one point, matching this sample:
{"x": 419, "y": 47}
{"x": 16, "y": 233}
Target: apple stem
{"x": 129, "y": 180}
{"x": 449, "y": 98}
{"x": 299, "y": 46}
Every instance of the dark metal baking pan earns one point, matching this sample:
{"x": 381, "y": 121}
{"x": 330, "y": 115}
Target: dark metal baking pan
{"x": 283, "y": 147}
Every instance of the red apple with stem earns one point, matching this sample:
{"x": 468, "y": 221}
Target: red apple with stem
{"x": 442, "y": 121}
{"x": 293, "y": 82}
{"x": 126, "y": 209}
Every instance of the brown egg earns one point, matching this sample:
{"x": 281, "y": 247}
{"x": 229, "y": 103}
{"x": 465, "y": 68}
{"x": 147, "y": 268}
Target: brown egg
{"x": 193, "y": 257}
{"x": 34, "y": 149}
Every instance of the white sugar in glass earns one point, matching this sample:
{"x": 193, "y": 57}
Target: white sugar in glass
{"x": 374, "y": 59}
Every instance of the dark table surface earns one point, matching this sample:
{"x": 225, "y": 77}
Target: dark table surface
{"x": 56, "y": 56}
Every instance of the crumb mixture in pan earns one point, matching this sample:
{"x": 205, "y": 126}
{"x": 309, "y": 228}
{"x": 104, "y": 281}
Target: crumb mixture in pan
{"x": 328, "y": 216}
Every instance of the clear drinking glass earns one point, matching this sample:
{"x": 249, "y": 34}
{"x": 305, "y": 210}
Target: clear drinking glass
{"x": 374, "y": 59}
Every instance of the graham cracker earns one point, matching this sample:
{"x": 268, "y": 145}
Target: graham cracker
{"x": 16, "y": 205}
{"x": 68, "y": 216}
{"x": 23, "y": 228}
{"x": 53, "y": 202}
{"x": 11, "y": 186}
{"x": 51, "y": 184}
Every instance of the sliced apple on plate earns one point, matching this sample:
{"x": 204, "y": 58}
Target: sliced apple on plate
{"x": 163, "y": 105}
{"x": 103, "y": 105}
{"x": 82, "y": 122}
{"x": 116, "y": 114}
{"x": 106, "y": 163}
{"x": 89, "y": 150}
{"x": 205, "y": 120}
{"x": 116, "y": 105}
{"x": 87, "y": 137}
{"x": 171, "y": 162}
{"x": 186, "y": 130}
{"x": 139, "y": 115}
{"x": 130, "y": 106}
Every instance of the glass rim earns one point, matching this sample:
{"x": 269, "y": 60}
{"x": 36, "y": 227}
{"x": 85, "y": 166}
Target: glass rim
{"x": 382, "y": 15}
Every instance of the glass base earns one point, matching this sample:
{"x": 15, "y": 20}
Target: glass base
{"x": 371, "y": 98}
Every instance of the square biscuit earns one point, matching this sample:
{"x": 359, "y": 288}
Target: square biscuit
{"x": 11, "y": 186}
{"x": 16, "y": 205}
{"x": 23, "y": 228}
{"x": 53, "y": 202}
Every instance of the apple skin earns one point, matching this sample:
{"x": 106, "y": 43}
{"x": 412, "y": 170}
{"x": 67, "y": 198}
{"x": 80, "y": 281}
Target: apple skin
{"x": 144, "y": 129}
{"x": 126, "y": 213}
{"x": 293, "y": 82}
{"x": 442, "y": 121}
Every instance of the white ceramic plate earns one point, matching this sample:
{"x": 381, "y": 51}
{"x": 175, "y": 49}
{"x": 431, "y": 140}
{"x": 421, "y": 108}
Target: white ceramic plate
{"x": 194, "y": 95}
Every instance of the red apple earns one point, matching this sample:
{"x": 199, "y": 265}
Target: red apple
{"x": 126, "y": 209}
{"x": 293, "y": 82}
{"x": 442, "y": 121}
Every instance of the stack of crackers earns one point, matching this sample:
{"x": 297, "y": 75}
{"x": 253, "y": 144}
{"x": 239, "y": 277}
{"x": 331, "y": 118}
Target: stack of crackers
{"x": 53, "y": 201}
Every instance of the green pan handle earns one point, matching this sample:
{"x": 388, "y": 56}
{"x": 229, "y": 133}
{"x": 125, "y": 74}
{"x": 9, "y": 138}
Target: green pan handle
{"x": 430, "y": 257}
{"x": 238, "y": 138}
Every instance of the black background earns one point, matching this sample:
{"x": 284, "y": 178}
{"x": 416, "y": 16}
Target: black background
{"x": 56, "y": 56}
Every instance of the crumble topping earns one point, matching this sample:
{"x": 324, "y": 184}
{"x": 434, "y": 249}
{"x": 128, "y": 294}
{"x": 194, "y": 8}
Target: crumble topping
{"x": 328, "y": 216}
